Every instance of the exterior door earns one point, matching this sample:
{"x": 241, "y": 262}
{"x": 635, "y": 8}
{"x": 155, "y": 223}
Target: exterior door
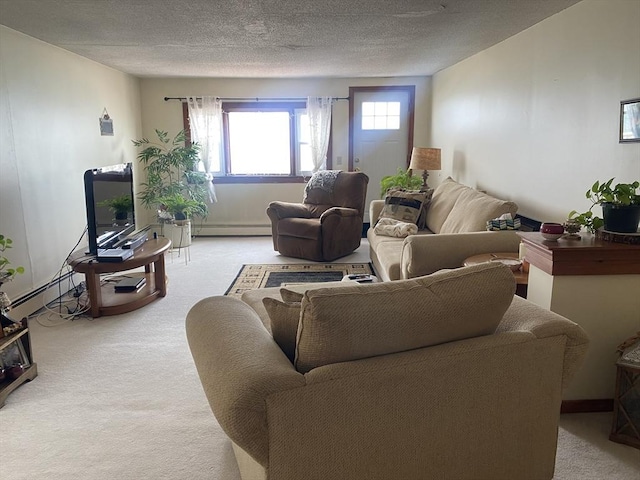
{"x": 381, "y": 133}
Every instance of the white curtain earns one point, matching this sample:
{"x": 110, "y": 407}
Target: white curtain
{"x": 205, "y": 117}
{"x": 319, "y": 112}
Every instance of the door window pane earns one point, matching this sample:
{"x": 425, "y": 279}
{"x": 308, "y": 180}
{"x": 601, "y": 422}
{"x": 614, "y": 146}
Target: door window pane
{"x": 380, "y": 115}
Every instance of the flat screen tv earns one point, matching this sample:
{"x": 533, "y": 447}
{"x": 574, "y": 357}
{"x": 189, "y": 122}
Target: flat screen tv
{"x": 110, "y": 205}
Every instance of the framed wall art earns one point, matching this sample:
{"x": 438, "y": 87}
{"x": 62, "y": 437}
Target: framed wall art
{"x": 630, "y": 120}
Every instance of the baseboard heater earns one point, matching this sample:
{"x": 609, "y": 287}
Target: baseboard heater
{"x": 20, "y": 307}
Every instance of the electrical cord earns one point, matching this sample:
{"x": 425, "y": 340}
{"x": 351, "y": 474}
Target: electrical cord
{"x": 78, "y": 309}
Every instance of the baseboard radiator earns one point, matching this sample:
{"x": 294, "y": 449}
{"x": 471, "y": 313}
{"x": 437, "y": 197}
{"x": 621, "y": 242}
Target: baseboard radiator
{"x": 31, "y": 302}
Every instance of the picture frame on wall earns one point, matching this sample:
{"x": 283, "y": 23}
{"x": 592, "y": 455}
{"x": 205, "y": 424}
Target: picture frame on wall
{"x": 630, "y": 120}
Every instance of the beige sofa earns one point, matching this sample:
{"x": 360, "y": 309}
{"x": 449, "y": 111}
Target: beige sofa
{"x": 447, "y": 376}
{"x": 456, "y": 229}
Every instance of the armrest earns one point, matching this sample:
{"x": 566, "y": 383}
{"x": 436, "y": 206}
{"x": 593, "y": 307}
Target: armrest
{"x": 286, "y": 210}
{"x": 527, "y": 316}
{"x": 239, "y": 365}
{"x": 375, "y": 207}
{"x": 416, "y": 398}
{"x": 425, "y": 254}
{"x": 340, "y": 212}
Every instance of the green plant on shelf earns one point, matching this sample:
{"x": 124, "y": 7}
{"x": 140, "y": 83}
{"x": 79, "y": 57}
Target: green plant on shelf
{"x": 620, "y": 195}
{"x": 6, "y": 272}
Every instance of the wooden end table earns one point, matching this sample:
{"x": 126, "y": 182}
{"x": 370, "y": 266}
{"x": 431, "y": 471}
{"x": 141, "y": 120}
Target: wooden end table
{"x": 103, "y": 299}
{"x": 521, "y": 276}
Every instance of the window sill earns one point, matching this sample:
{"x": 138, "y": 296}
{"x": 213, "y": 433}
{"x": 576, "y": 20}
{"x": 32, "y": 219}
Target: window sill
{"x": 258, "y": 179}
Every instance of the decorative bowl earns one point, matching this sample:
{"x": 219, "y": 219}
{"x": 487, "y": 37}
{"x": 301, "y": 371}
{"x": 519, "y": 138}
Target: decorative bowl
{"x": 512, "y": 263}
{"x": 551, "y": 231}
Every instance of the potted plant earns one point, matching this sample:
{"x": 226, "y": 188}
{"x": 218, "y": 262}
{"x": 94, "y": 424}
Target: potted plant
{"x": 402, "y": 179}
{"x": 620, "y": 207}
{"x": 6, "y": 274}
{"x": 181, "y": 208}
{"x": 121, "y": 206}
{"x": 171, "y": 170}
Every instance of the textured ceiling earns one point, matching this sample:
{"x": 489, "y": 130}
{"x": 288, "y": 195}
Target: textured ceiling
{"x": 275, "y": 38}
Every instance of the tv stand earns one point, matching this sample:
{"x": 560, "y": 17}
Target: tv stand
{"x": 103, "y": 299}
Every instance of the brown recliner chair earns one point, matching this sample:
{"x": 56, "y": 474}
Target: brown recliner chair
{"x": 328, "y": 224}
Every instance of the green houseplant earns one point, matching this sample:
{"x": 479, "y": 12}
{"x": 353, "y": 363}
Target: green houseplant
{"x": 121, "y": 206}
{"x": 171, "y": 171}
{"x": 620, "y": 207}
{"x": 181, "y": 208}
{"x": 6, "y": 272}
{"x": 402, "y": 179}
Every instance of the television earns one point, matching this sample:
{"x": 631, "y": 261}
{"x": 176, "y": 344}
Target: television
{"x": 110, "y": 205}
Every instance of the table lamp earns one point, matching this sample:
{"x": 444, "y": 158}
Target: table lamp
{"x": 425, "y": 159}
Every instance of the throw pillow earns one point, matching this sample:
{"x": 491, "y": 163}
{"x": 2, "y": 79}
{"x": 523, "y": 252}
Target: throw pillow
{"x": 404, "y": 206}
{"x": 284, "y": 318}
{"x": 289, "y": 296}
{"x": 394, "y": 228}
{"x": 473, "y": 209}
{"x": 422, "y": 219}
{"x": 340, "y": 324}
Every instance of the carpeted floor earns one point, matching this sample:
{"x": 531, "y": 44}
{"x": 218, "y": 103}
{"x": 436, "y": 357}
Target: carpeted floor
{"x": 119, "y": 398}
{"x": 251, "y": 277}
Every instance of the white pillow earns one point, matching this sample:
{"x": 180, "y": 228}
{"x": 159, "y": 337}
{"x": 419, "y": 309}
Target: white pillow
{"x": 395, "y": 228}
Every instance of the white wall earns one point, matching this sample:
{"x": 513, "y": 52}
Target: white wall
{"x": 50, "y": 103}
{"x": 241, "y": 207}
{"x": 535, "y": 118}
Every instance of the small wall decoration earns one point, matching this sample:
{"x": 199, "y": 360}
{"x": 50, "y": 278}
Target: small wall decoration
{"x": 106, "y": 124}
{"x": 630, "y": 120}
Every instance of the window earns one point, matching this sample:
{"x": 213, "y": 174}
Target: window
{"x": 263, "y": 141}
{"x": 380, "y": 115}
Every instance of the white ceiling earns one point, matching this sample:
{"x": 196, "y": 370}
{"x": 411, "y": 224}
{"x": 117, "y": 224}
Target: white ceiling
{"x": 276, "y": 38}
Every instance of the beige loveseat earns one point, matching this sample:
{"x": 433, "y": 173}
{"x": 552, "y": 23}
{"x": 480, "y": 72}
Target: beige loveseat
{"x": 456, "y": 229}
{"x": 447, "y": 376}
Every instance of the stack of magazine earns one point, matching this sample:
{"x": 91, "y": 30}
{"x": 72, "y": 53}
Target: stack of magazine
{"x": 130, "y": 284}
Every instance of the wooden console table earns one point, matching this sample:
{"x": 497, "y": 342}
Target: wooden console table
{"x": 596, "y": 284}
{"x": 103, "y": 299}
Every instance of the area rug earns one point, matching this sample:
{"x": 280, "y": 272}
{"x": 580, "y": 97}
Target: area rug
{"x": 277, "y": 275}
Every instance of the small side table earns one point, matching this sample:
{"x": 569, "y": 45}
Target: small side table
{"x": 626, "y": 402}
{"x": 521, "y": 276}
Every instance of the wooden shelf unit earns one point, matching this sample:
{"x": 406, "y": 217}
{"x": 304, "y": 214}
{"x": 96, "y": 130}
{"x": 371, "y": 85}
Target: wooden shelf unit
{"x": 9, "y": 385}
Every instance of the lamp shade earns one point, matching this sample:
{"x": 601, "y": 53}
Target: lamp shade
{"x": 425, "y": 159}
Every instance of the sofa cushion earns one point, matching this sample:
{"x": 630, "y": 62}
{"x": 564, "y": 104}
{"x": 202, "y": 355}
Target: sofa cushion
{"x": 404, "y": 206}
{"x": 442, "y": 202}
{"x": 360, "y": 321}
{"x": 283, "y": 317}
{"x": 473, "y": 209}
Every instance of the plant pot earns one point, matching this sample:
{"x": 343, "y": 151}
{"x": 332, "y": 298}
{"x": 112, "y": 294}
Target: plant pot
{"x": 180, "y": 234}
{"x": 621, "y": 218}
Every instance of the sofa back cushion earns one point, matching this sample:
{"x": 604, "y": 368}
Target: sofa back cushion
{"x": 442, "y": 202}
{"x": 347, "y": 323}
{"x": 472, "y": 211}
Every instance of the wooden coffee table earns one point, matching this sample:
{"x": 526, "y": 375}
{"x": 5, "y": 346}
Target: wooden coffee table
{"x": 103, "y": 300}
{"x": 521, "y": 276}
